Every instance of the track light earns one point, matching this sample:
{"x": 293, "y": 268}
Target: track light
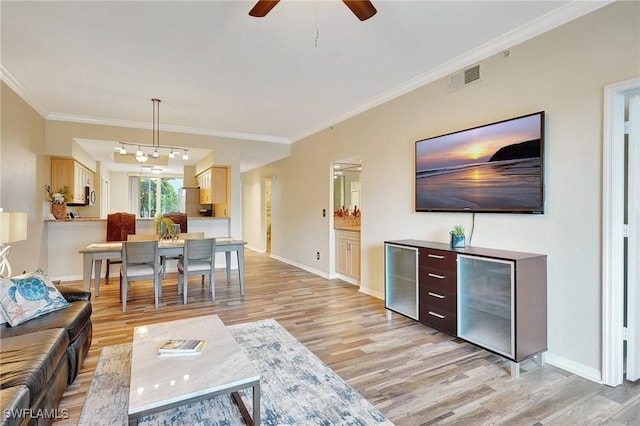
{"x": 141, "y": 156}
{"x": 185, "y": 156}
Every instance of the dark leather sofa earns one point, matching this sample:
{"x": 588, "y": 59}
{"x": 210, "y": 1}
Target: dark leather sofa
{"x": 40, "y": 357}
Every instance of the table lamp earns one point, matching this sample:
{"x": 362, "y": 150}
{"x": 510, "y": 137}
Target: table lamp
{"x": 13, "y": 227}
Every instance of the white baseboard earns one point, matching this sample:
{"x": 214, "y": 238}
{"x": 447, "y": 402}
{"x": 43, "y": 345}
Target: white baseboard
{"x": 576, "y": 368}
{"x": 298, "y": 265}
{"x": 257, "y": 250}
{"x": 371, "y": 292}
{"x": 346, "y": 279}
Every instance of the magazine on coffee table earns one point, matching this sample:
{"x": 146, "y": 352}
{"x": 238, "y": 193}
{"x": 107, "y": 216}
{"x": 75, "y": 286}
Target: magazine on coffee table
{"x": 175, "y": 347}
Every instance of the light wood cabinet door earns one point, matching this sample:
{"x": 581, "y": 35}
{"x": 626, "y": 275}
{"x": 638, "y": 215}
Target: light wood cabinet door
{"x": 342, "y": 256}
{"x": 219, "y": 185}
{"x": 354, "y": 252}
{"x": 204, "y": 182}
{"x": 348, "y": 253}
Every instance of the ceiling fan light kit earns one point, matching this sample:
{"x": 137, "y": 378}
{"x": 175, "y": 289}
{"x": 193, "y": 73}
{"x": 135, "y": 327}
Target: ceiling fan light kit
{"x": 141, "y": 156}
{"x": 363, "y": 9}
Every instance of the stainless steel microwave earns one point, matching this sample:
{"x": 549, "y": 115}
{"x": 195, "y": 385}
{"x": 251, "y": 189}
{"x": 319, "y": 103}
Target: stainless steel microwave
{"x": 89, "y": 196}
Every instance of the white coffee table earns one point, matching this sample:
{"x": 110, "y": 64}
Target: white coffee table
{"x": 158, "y": 384}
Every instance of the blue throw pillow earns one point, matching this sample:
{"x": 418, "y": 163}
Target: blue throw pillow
{"x": 29, "y": 296}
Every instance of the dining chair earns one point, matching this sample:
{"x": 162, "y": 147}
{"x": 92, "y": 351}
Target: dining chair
{"x": 119, "y": 226}
{"x": 199, "y": 259}
{"x": 140, "y": 262}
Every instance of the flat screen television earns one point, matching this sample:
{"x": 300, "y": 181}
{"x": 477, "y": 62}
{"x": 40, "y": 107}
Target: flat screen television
{"x": 494, "y": 168}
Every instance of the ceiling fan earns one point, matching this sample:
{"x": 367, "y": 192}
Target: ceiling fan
{"x": 363, "y": 9}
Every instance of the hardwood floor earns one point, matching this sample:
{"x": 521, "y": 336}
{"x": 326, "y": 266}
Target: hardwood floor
{"x": 414, "y": 374}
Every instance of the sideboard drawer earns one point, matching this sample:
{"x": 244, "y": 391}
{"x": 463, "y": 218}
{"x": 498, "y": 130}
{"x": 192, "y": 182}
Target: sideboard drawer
{"x": 439, "y": 319}
{"x": 439, "y": 280}
{"x": 439, "y": 299}
{"x": 438, "y": 259}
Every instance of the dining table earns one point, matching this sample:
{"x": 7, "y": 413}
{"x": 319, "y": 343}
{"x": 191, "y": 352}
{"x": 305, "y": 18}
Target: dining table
{"x": 95, "y": 253}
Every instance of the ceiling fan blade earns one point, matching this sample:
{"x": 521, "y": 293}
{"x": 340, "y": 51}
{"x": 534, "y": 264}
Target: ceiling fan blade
{"x": 363, "y": 9}
{"x": 263, "y": 7}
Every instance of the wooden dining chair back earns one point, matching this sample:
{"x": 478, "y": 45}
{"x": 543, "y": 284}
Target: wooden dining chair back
{"x": 178, "y": 219}
{"x": 140, "y": 262}
{"x": 119, "y": 226}
{"x": 199, "y": 258}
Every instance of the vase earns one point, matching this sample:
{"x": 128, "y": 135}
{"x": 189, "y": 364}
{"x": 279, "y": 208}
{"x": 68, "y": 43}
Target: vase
{"x": 59, "y": 211}
{"x": 457, "y": 241}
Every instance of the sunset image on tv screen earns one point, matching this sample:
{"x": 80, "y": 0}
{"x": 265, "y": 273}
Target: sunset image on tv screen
{"x": 497, "y": 167}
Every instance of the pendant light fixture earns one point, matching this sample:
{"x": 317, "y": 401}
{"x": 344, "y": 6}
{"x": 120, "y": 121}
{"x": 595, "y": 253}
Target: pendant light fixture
{"x": 155, "y": 148}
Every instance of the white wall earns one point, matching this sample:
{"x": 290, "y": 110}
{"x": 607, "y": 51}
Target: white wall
{"x": 562, "y": 72}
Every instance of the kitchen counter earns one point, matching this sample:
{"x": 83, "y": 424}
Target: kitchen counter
{"x": 143, "y": 219}
{"x": 65, "y": 239}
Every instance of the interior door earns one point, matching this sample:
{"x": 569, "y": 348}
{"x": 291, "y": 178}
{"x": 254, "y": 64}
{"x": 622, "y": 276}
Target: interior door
{"x": 633, "y": 240}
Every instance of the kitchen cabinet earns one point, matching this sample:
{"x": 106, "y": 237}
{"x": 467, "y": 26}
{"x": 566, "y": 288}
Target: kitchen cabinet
{"x": 213, "y": 189}
{"x": 348, "y": 253}
{"x": 219, "y": 185}
{"x": 495, "y": 299}
{"x": 204, "y": 182}
{"x": 70, "y": 173}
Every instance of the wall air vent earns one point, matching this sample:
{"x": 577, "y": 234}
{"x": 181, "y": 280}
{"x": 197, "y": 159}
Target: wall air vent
{"x": 462, "y": 78}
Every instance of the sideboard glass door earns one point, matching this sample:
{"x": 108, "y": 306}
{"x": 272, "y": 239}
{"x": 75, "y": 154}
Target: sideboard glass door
{"x": 401, "y": 279}
{"x": 486, "y": 303}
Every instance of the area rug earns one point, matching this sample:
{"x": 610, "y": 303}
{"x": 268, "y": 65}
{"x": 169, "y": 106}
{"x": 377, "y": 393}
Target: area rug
{"x": 297, "y": 388}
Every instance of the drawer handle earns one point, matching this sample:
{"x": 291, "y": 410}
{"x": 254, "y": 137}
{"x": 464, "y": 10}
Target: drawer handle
{"x": 436, "y": 315}
{"x": 435, "y": 256}
{"x": 440, "y": 277}
{"x": 439, "y": 296}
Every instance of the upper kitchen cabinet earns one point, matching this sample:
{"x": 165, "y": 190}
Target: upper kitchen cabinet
{"x": 70, "y": 173}
{"x": 204, "y": 182}
{"x": 213, "y": 184}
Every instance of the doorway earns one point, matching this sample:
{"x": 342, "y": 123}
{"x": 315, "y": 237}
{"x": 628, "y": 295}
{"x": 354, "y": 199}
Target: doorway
{"x": 345, "y": 236}
{"x": 267, "y": 214}
{"x": 621, "y": 234}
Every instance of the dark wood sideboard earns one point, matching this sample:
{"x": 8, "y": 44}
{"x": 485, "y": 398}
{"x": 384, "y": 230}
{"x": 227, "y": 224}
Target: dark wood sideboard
{"x": 496, "y": 299}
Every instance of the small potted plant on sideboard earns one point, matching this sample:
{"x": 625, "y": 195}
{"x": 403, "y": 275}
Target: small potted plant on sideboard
{"x": 457, "y": 237}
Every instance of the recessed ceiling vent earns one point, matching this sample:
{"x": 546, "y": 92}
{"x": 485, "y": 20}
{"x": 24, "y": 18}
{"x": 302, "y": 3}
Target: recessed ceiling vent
{"x": 462, "y": 78}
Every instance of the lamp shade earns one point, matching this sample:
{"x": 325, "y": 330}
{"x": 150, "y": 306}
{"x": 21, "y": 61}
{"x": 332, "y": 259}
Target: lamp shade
{"x": 13, "y": 226}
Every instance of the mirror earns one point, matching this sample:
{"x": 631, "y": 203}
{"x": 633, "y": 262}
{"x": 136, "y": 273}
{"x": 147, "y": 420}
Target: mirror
{"x": 346, "y": 185}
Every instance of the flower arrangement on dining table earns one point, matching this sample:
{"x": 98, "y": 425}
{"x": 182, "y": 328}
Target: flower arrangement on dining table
{"x": 62, "y": 196}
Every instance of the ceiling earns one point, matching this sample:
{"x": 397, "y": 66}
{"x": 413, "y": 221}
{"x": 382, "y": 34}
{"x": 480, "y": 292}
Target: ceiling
{"x": 306, "y": 66}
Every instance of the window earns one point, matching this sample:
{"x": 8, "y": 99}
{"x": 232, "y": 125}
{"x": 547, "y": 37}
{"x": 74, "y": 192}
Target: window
{"x": 154, "y": 195}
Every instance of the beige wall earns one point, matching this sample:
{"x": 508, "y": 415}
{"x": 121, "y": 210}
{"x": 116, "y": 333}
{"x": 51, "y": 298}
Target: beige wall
{"x": 23, "y": 170}
{"x": 562, "y": 72}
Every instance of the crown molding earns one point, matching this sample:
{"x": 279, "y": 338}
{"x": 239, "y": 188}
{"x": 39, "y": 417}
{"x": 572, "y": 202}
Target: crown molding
{"x": 84, "y": 119}
{"x": 24, "y": 94}
{"x": 551, "y": 20}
